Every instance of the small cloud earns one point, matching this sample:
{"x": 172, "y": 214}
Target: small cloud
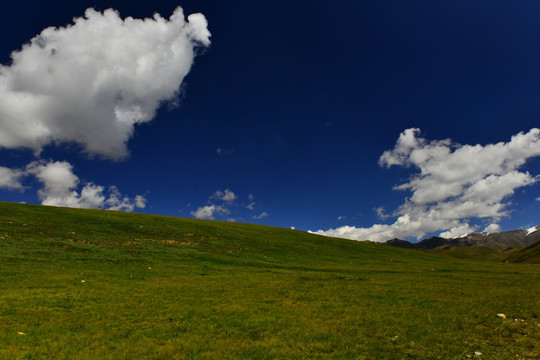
{"x": 226, "y": 195}
{"x": 492, "y": 228}
{"x": 221, "y": 151}
{"x": 262, "y": 215}
{"x": 251, "y": 197}
{"x": 293, "y": 228}
{"x": 208, "y": 212}
{"x": 342, "y": 217}
{"x": 457, "y": 231}
{"x": 380, "y": 213}
{"x": 140, "y": 201}
{"x": 250, "y": 206}
{"x": 10, "y": 178}
{"x": 538, "y": 198}
{"x": 231, "y": 220}
{"x": 123, "y": 203}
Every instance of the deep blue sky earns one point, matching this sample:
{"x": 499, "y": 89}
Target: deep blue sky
{"x": 303, "y": 97}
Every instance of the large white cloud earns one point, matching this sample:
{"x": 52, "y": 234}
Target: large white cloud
{"x": 60, "y": 188}
{"x": 91, "y": 82}
{"x": 455, "y": 185}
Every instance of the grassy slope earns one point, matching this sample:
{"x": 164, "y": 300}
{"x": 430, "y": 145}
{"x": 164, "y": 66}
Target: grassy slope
{"x": 475, "y": 252}
{"x": 529, "y": 255}
{"x": 86, "y": 284}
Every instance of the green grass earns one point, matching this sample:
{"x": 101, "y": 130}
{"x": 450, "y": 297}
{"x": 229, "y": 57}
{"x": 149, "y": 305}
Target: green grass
{"x": 474, "y": 253}
{"x": 87, "y": 284}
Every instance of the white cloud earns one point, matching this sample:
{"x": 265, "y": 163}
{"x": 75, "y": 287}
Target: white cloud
{"x": 60, "y": 186}
{"x": 492, "y": 228}
{"x": 458, "y": 231}
{"x": 208, "y": 212}
{"x": 91, "y": 82}
{"x": 226, "y": 195}
{"x": 381, "y": 214}
{"x": 251, "y": 197}
{"x": 250, "y": 206}
{"x": 455, "y": 183}
{"x": 11, "y": 178}
{"x": 341, "y": 217}
{"x": 261, "y": 215}
{"x": 538, "y": 199}
{"x": 123, "y": 203}
{"x": 140, "y": 201}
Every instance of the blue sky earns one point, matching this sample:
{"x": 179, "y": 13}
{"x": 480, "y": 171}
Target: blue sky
{"x": 282, "y": 116}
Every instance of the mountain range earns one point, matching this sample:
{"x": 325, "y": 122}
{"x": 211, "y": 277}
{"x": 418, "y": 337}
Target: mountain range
{"x": 509, "y": 245}
{"x": 499, "y": 241}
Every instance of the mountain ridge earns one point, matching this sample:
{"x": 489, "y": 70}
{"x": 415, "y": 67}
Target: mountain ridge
{"x": 507, "y": 246}
{"x": 514, "y": 238}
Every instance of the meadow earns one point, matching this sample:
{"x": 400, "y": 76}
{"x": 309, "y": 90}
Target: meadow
{"x": 93, "y": 284}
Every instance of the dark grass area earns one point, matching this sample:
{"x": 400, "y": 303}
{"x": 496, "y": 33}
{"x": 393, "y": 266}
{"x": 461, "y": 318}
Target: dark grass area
{"x": 87, "y": 284}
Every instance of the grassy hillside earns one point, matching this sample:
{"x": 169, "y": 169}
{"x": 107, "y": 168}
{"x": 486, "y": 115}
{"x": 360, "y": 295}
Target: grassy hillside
{"x": 473, "y": 252}
{"x": 528, "y": 255}
{"x": 87, "y": 284}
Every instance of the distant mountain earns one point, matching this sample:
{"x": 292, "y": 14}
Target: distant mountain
{"x": 499, "y": 241}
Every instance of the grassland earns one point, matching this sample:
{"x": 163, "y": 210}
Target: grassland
{"x": 87, "y": 284}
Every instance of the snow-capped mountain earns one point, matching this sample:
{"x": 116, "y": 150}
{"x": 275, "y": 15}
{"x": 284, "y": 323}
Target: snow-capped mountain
{"x": 503, "y": 240}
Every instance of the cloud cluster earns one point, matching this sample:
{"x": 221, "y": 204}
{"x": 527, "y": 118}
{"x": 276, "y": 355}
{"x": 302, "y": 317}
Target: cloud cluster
{"x": 222, "y": 203}
{"x": 455, "y": 184}
{"x": 60, "y": 188}
{"x": 209, "y": 212}
{"x": 91, "y": 82}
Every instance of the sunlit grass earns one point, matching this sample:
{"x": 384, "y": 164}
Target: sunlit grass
{"x": 79, "y": 284}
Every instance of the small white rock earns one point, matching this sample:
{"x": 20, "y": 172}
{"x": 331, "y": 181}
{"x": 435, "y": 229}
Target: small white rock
{"x": 477, "y": 353}
{"x": 501, "y": 316}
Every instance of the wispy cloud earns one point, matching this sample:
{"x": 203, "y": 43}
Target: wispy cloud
{"x": 455, "y": 184}
{"x": 93, "y": 81}
{"x": 250, "y": 206}
{"x": 261, "y": 215}
{"x": 381, "y": 214}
